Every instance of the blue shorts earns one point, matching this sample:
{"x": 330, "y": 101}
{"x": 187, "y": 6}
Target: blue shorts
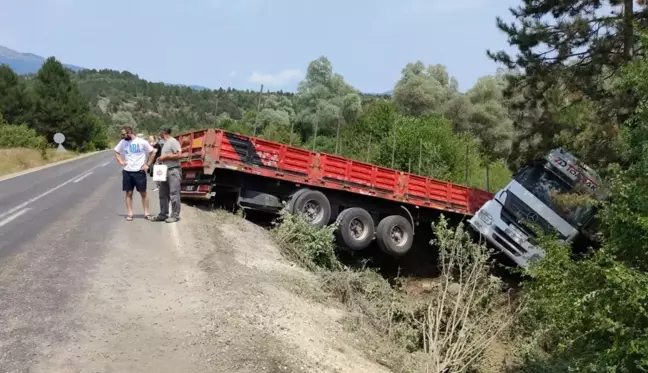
{"x": 133, "y": 180}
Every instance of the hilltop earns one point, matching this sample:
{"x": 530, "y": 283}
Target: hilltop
{"x": 29, "y": 63}
{"x": 25, "y": 63}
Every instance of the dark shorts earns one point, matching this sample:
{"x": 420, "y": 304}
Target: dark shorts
{"x": 133, "y": 180}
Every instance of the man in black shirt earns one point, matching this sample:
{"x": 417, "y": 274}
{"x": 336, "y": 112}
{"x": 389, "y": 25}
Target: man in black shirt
{"x": 158, "y": 150}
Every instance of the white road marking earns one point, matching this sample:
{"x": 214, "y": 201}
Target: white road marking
{"x": 24, "y": 204}
{"x": 83, "y": 177}
{"x": 13, "y": 217}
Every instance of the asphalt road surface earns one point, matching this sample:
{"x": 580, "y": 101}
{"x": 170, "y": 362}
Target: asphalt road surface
{"x": 56, "y": 225}
{"x": 84, "y": 290}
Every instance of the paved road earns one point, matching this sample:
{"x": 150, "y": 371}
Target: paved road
{"x": 56, "y": 225}
{"x": 84, "y": 290}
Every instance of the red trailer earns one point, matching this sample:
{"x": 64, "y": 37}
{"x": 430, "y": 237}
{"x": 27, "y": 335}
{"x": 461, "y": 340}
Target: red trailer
{"x": 367, "y": 201}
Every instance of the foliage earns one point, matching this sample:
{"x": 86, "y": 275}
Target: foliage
{"x": 424, "y": 90}
{"x": 467, "y": 313}
{"x": 312, "y": 247}
{"x": 590, "y": 315}
{"x": 51, "y": 103}
{"x": 447, "y": 330}
{"x": 326, "y": 102}
{"x": 19, "y": 136}
{"x": 571, "y": 52}
{"x": 14, "y": 99}
{"x": 577, "y": 42}
{"x": 326, "y": 114}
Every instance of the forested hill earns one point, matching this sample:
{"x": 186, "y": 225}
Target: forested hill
{"x": 328, "y": 114}
{"x": 126, "y": 98}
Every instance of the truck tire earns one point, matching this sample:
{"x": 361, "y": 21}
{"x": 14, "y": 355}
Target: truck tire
{"x": 314, "y": 207}
{"x": 290, "y": 206}
{"x": 356, "y": 228}
{"x": 395, "y": 235}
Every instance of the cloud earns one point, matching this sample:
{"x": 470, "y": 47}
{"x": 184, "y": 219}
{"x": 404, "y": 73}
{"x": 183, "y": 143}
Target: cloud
{"x": 233, "y": 73}
{"x": 276, "y": 80}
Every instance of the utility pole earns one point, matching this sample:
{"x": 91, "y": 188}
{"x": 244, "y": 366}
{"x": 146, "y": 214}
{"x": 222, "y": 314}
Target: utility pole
{"x": 216, "y": 110}
{"x": 394, "y": 145}
{"x": 256, "y": 120}
{"x": 420, "y": 154}
{"x": 316, "y": 125}
{"x": 467, "y": 154}
{"x": 337, "y": 137}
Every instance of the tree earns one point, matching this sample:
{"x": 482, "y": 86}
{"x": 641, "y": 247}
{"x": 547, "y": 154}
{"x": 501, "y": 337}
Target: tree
{"x": 423, "y": 90}
{"x": 582, "y": 42}
{"x": 590, "y": 315}
{"x": 60, "y": 107}
{"x": 15, "y": 102}
{"x": 326, "y": 102}
{"x": 488, "y": 118}
{"x": 569, "y": 52}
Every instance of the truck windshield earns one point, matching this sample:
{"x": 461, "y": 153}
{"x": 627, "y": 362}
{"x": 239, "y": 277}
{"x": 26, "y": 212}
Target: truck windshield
{"x": 544, "y": 185}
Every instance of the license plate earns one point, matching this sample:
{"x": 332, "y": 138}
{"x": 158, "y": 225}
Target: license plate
{"x": 189, "y": 188}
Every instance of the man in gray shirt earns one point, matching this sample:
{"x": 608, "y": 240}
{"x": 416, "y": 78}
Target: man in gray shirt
{"x": 170, "y": 189}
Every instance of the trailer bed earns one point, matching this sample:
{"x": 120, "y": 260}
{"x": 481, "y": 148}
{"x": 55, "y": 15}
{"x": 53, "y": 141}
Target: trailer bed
{"x": 211, "y": 149}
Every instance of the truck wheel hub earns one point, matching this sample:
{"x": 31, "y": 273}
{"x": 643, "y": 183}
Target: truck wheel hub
{"x": 357, "y": 229}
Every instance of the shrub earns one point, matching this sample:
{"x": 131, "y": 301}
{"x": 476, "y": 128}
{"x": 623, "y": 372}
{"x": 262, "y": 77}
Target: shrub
{"x": 448, "y": 330}
{"x": 20, "y": 136}
{"x": 312, "y": 247}
{"x": 469, "y": 310}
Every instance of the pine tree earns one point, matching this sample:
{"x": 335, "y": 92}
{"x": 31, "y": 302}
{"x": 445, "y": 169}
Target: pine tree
{"x": 570, "y": 53}
{"x": 60, "y": 107}
{"x": 578, "y": 42}
{"x": 14, "y": 100}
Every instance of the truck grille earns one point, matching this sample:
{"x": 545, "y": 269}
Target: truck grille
{"x": 518, "y": 212}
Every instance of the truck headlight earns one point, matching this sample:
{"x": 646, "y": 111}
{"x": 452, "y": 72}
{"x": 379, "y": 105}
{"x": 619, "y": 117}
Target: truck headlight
{"x": 485, "y": 217}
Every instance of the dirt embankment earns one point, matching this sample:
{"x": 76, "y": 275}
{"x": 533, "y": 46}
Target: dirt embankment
{"x": 272, "y": 317}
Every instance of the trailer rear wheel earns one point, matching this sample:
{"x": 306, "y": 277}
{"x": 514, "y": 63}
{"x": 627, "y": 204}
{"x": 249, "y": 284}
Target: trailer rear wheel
{"x": 395, "y": 235}
{"x": 290, "y": 206}
{"x": 314, "y": 207}
{"x": 356, "y": 228}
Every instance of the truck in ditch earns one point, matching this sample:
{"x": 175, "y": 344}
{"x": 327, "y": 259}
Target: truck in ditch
{"x": 531, "y": 199}
{"x": 369, "y": 202}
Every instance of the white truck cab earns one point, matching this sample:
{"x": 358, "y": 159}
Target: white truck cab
{"x": 529, "y": 197}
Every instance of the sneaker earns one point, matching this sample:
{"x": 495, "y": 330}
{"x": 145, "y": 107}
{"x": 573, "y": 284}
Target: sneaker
{"x": 159, "y": 218}
{"x": 172, "y": 220}
{"x": 155, "y": 189}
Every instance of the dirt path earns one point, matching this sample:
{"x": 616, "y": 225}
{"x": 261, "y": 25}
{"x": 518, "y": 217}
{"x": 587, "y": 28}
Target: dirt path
{"x": 209, "y": 294}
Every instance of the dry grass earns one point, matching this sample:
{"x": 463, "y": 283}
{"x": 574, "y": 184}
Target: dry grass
{"x": 20, "y": 159}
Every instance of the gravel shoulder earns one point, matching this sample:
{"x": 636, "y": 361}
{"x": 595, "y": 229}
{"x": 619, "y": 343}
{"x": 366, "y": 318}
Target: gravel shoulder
{"x": 209, "y": 294}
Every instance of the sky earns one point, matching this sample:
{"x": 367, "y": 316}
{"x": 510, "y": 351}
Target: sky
{"x": 245, "y": 43}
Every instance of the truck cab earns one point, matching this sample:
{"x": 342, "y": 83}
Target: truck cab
{"x": 531, "y": 198}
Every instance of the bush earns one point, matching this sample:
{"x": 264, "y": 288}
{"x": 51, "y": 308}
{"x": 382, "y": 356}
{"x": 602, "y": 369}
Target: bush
{"x": 312, "y": 247}
{"x": 469, "y": 310}
{"x": 20, "y": 136}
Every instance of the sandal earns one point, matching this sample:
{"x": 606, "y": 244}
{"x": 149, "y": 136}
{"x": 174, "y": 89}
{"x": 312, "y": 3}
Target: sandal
{"x": 129, "y": 218}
